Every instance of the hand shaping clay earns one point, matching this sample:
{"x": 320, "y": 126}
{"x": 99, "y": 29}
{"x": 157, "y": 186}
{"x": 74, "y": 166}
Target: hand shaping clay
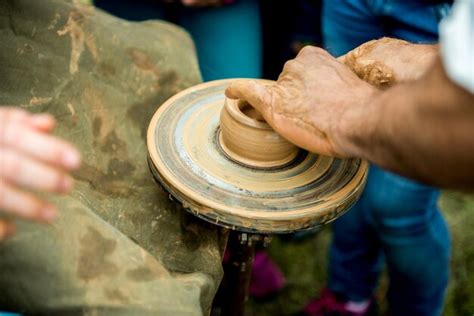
{"x": 225, "y": 164}
{"x": 246, "y": 138}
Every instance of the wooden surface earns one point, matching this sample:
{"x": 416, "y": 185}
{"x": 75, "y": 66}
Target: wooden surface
{"x": 186, "y": 158}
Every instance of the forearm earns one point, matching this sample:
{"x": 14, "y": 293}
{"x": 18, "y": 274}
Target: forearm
{"x": 422, "y": 129}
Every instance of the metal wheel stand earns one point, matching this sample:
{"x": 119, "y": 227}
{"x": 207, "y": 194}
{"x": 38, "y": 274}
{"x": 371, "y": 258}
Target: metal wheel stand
{"x": 237, "y": 273}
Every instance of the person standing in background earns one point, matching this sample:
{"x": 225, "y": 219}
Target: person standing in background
{"x": 227, "y": 33}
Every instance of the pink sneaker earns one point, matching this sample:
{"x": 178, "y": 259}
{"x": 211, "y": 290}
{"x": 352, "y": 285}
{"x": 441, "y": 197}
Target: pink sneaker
{"x": 266, "y": 279}
{"x": 329, "y": 305}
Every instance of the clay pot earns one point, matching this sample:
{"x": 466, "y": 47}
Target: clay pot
{"x": 246, "y": 138}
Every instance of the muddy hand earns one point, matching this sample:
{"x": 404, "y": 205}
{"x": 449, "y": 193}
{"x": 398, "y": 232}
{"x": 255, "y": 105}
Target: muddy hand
{"x": 30, "y": 159}
{"x": 386, "y": 61}
{"x": 317, "y": 102}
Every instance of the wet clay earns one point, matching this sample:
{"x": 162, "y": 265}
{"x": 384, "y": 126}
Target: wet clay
{"x": 225, "y": 164}
{"x": 246, "y": 138}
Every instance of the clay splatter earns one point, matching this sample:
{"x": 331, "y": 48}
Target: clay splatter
{"x": 74, "y": 28}
{"x": 94, "y": 259}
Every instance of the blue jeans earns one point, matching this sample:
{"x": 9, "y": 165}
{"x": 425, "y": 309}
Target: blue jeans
{"x": 228, "y": 39}
{"x": 397, "y": 220}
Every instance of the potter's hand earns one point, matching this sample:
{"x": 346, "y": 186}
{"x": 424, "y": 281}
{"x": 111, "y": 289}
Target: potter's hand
{"x": 30, "y": 159}
{"x": 316, "y": 103}
{"x": 386, "y": 61}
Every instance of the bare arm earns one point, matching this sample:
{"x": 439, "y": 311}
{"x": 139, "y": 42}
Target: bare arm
{"x": 422, "y": 128}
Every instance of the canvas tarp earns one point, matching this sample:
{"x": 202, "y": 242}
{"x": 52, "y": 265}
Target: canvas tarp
{"x": 120, "y": 245}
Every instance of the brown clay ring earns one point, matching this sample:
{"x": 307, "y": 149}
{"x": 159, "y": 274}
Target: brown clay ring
{"x": 246, "y": 138}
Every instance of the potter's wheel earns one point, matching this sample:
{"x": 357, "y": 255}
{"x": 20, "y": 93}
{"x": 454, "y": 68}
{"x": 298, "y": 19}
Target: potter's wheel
{"x": 188, "y": 157}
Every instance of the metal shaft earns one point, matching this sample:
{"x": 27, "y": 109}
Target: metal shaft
{"x": 238, "y": 272}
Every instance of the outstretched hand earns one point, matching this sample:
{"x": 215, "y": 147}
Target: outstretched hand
{"x": 31, "y": 159}
{"x": 317, "y": 103}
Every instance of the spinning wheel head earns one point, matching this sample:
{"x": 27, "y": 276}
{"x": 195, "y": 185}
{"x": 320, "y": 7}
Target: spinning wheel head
{"x": 225, "y": 164}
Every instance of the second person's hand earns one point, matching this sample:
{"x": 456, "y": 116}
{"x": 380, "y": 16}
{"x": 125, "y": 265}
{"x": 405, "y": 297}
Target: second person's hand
{"x": 31, "y": 160}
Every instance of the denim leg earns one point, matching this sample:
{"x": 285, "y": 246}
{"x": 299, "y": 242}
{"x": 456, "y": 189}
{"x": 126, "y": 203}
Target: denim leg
{"x": 355, "y": 253}
{"x": 414, "y": 21}
{"x": 417, "y": 256}
{"x": 228, "y": 39}
{"x": 395, "y": 214}
{"x": 415, "y": 242}
{"x": 419, "y": 270}
{"x": 355, "y": 256}
{"x": 348, "y": 23}
{"x": 399, "y": 217}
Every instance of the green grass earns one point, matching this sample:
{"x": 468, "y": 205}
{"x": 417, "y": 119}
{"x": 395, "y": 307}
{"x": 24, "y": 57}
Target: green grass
{"x": 304, "y": 265}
